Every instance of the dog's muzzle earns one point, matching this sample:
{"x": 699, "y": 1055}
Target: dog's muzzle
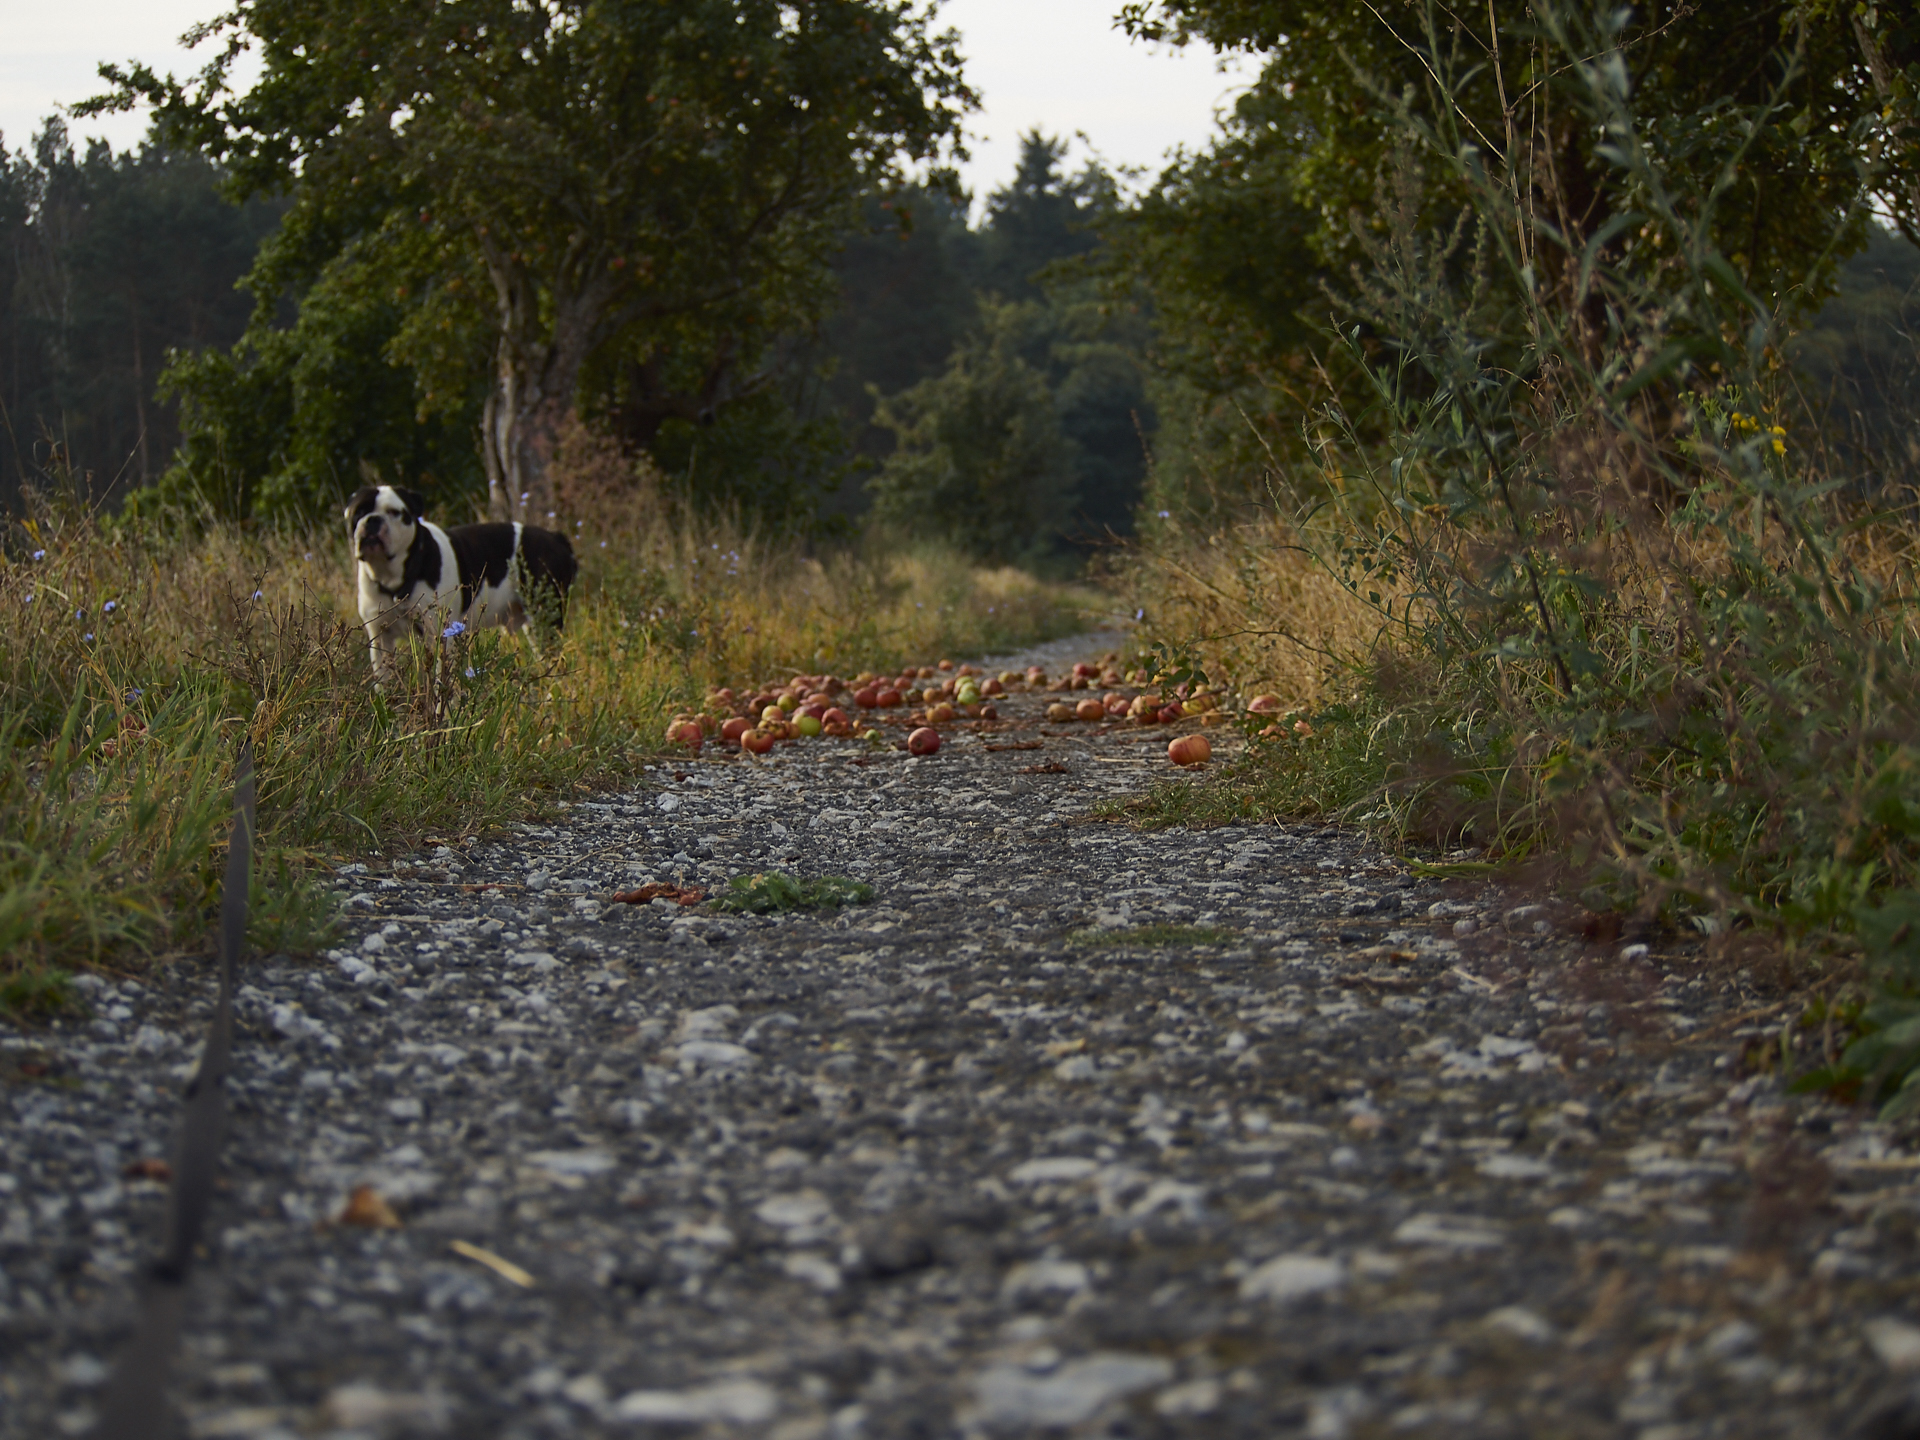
{"x": 373, "y": 540}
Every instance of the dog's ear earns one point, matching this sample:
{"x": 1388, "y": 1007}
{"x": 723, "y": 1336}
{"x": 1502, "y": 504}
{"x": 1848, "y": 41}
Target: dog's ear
{"x": 361, "y": 502}
{"x": 415, "y": 502}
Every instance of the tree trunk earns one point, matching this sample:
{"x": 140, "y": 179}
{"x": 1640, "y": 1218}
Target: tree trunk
{"x": 535, "y": 376}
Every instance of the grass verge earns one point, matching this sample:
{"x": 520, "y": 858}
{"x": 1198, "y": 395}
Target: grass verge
{"x": 132, "y": 661}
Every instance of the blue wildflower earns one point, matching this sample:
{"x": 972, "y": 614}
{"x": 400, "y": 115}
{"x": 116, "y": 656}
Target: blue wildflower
{"x": 133, "y": 695}
{"x": 87, "y": 639}
{"x": 453, "y": 629}
{"x": 469, "y": 672}
{"x": 109, "y": 607}
{"x": 39, "y": 554}
{"x": 256, "y": 594}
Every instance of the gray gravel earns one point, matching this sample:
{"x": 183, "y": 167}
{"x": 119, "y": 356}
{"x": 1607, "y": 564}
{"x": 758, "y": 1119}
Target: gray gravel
{"x": 1393, "y": 1158}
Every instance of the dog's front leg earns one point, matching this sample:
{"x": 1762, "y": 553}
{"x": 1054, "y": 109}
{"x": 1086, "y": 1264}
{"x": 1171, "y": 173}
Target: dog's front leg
{"x": 382, "y": 649}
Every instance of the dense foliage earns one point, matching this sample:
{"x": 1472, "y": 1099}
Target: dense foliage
{"x": 1787, "y": 115}
{"x": 1033, "y": 439}
{"x": 611, "y": 207}
{"x": 106, "y": 262}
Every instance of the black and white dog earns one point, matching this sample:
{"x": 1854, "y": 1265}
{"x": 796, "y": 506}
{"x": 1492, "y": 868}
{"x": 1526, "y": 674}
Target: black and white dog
{"x": 416, "y": 576}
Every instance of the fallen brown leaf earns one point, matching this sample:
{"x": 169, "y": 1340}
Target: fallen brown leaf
{"x": 679, "y": 894}
{"x": 365, "y": 1208}
{"x": 149, "y": 1169}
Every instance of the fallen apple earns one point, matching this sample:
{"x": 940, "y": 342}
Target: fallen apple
{"x": 1090, "y": 710}
{"x": 1173, "y": 710}
{"x": 735, "y": 728}
{"x": 1059, "y": 712}
{"x": 756, "y": 742}
{"x": 946, "y": 664}
{"x": 1190, "y": 750}
{"x": 923, "y": 741}
{"x": 788, "y": 702}
{"x": 808, "y": 724}
{"x": 835, "y": 716}
{"x": 1265, "y": 705}
{"x": 996, "y": 687}
{"x": 866, "y": 698}
{"x": 685, "y": 732}
{"x": 989, "y": 712}
{"x": 772, "y": 714}
{"x": 887, "y": 699}
{"x": 942, "y": 714}
{"x": 1084, "y": 671}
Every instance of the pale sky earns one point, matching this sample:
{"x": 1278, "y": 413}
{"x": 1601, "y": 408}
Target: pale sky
{"x": 1057, "y": 64}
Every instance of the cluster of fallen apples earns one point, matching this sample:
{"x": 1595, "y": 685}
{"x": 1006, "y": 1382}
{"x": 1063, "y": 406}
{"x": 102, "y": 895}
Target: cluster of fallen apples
{"x": 935, "y": 695}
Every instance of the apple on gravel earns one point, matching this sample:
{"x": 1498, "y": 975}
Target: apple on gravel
{"x": 756, "y": 742}
{"x": 1190, "y": 750}
{"x": 735, "y": 728}
{"x": 1059, "y": 712}
{"x": 1090, "y": 710}
{"x": 924, "y": 741}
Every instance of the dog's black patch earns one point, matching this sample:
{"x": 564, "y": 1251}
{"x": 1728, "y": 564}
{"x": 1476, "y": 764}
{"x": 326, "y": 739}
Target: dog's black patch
{"x": 547, "y": 558}
{"x": 485, "y": 553}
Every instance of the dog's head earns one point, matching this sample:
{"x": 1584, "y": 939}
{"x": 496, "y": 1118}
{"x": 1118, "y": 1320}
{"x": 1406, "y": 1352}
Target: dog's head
{"x": 383, "y": 519}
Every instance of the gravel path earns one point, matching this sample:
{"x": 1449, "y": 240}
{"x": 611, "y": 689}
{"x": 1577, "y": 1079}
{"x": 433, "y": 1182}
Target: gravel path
{"x": 1391, "y": 1158}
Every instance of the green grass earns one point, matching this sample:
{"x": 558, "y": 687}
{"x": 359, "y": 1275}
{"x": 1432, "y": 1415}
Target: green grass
{"x": 775, "y": 891}
{"x": 1152, "y": 936}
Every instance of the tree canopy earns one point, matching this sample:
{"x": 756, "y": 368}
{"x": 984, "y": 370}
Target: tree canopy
{"x": 615, "y": 205}
{"x": 1796, "y": 118}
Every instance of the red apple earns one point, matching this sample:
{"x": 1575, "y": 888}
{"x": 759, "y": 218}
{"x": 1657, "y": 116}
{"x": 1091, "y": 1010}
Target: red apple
{"x": 989, "y": 712}
{"x": 993, "y": 687}
{"x": 1084, "y": 671}
{"x": 1090, "y": 710}
{"x": 1171, "y": 712}
{"x": 887, "y": 699}
{"x": 735, "y": 728}
{"x": 1190, "y": 750}
{"x": 866, "y": 698}
{"x": 946, "y": 664}
{"x": 924, "y": 741}
{"x": 1265, "y": 705}
{"x": 942, "y": 714}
